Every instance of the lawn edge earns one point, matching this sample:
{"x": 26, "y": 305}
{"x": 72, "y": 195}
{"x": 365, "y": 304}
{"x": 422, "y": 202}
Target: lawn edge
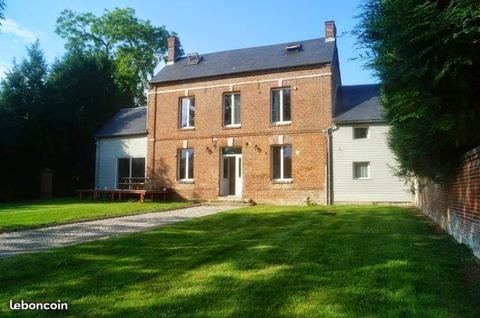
{"x": 55, "y": 224}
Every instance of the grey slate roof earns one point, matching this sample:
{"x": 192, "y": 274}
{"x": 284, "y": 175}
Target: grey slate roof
{"x": 261, "y": 58}
{"x": 128, "y": 121}
{"x": 358, "y": 103}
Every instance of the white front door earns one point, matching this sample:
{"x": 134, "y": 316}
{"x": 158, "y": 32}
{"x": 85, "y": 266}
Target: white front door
{"x": 231, "y": 179}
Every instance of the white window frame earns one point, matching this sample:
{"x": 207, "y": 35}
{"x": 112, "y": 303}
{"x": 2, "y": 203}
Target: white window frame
{"x": 187, "y": 165}
{"x": 281, "y": 121}
{"x": 368, "y": 170}
{"x": 232, "y": 115}
{"x": 188, "y": 112}
{"x": 282, "y": 163}
{"x": 362, "y": 126}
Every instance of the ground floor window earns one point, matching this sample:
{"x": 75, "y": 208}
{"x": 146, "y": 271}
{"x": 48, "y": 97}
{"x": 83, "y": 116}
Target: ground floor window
{"x": 130, "y": 173}
{"x": 282, "y": 162}
{"x": 185, "y": 164}
{"x": 361, "y": 170}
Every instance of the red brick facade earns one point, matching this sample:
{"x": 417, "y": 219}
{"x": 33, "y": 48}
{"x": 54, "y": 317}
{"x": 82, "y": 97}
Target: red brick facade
{"x": 456, "y": 207}
{"x": 311, "y": 113}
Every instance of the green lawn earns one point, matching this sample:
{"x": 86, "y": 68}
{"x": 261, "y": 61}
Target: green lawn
{"x": 344, "y": 261}
{"x": 31, "y": 214}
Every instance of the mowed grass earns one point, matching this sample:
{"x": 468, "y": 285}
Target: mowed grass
{"x": 31, "y": 214}
{"x": 263, "y": 261}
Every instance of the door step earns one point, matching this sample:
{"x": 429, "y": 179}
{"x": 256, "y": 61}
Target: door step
{"x": 229, "y": 201}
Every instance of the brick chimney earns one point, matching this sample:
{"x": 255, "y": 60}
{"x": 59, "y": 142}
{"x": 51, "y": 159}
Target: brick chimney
{"x": 330, "y": 31}
{"x": 173, "y": 49}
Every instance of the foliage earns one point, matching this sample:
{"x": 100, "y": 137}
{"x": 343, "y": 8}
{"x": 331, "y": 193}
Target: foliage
{"x": 48, "y": 120}
{"x": 48, "y": 116}
{"x": 22, "y": 102}
{"x": 135, "y": 45}
{"x": 262, "y": 261}
{"x": 32, "y": 214}
{"x": 84, "y": 96}
{"x": 426, "y": 54}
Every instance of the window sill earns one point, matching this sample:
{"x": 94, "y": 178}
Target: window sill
{"x": 232, "y": 126}
{"x": 185, "y": 181}
{"x": 282, "y": 181}
{"x": 282, "y": 123}
{"x": 186, "y": 128}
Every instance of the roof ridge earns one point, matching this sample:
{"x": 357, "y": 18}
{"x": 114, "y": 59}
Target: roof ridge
{"x": 359, "y": 85}
{"x": 255, "y": 47}
{"x": 252, "y": 59}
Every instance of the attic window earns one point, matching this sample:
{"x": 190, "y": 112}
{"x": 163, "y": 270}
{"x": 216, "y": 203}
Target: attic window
{"x": 193, "y": 58}
{"x": 294, "y": 47}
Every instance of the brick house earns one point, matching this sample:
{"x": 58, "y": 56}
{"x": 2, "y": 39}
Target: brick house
{"x": 260, "y": 123}
{"x": 247, "y": 123}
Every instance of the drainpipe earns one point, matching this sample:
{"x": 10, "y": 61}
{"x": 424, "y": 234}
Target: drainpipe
{"x": 154, "y": 133}
{"x": 329, "y": 169}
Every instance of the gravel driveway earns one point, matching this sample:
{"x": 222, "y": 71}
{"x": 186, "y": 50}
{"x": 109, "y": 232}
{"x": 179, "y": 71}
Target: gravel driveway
{"x": 28, "y": 241}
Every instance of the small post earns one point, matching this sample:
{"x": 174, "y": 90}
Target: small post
{"x": 46, "y": 183}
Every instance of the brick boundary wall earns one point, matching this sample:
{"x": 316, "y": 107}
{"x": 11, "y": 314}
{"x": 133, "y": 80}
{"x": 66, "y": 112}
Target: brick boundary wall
{"x": 456, "y": 206}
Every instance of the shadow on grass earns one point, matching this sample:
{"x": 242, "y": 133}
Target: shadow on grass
{"x": 263, "y": 261}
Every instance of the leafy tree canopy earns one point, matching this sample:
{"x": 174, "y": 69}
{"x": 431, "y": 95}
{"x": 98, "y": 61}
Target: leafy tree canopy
{"x": 48, "y": 118}
{"x": 23, "y": 86}
{"x": 49, "y": 114}
{"x": 427, "y": 55}
{"x": 21, "y": 101}
{"x": 135, "y": 45}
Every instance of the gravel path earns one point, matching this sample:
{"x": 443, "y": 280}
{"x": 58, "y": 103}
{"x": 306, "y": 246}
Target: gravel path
{"x": 28, "y": 241}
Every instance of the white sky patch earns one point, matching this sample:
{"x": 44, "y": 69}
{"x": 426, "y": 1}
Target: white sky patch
{"x": 10, "y": 26}
{"x": 4, "y": 68}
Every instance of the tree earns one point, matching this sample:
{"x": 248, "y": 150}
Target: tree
{"x": 426, "y": 54}
{"x": 48, "y": 118}
{"x": 71, "y": 119}
{"x": 49, "y": 115}
{"x": 135, "y": 46}
{"x": 22, "y": 100}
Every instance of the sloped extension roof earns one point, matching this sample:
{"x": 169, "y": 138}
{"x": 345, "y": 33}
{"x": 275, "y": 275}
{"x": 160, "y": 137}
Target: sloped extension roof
{"x": 357, "y": 104}
{"x": 261, "y": 58}
{"x": 128, "y": 121}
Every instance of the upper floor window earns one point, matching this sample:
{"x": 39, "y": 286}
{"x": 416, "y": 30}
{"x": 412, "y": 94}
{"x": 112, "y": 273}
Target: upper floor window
{"x": 185, "y": 164}
{"x": 281, "y": 105}
{"x": 231, "y": 109}
{"x": 282, "y": 162}
{"x": 187, "y": 112}
{"x": 360, "y": 132}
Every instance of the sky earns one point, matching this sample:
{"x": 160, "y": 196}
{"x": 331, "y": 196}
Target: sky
{"x": 203, "y": 26}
